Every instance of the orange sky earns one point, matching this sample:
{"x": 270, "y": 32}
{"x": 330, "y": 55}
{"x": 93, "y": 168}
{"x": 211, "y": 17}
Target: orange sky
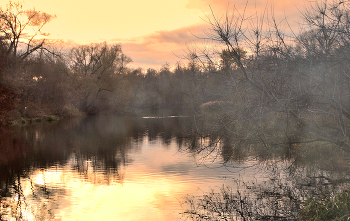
{"x": 151, "y": 31}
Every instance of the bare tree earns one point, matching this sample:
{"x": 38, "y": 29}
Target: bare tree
{"x": 20, "y": 28}
{"x": 96, "y": 70}
{"x": 327, "y": 28}
{"x": 287, "y": 100}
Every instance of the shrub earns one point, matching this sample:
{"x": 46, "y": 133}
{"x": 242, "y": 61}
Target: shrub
{"x": 336, "y": 207}
{"x": 52, "y": 118}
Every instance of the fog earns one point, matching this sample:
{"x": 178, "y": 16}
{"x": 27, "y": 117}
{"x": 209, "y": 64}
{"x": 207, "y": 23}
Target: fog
{"x": 254, "y": 84}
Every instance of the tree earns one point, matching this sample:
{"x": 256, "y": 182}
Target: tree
{"x": 96, "y": 70}
{"x": 288, "y": 100}
{"x": 19, "y": 38}
{"x": 19, "y": 29}
{"x": 328, "y": 27}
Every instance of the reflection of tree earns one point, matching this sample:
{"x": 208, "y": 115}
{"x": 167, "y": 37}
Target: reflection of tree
{"x": 297, "y": 171}
{"x": 40, "y": 204}
{"x": 102, "y": 140}
{"x": 233, "y": 143}
{"x": 90, "y": 149}
{"x": 97, "y": 171}
{"x": 96, "y": 149}
{"x": 13, "y": 150}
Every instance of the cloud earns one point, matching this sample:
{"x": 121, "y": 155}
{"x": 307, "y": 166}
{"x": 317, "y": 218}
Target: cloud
{"x": 168, "y": 46}
{"x": 222, "y": 6}
{"x": 252, "y": 8}
{"x": 153, "y": 55}
{"x": 181, "y": 36}
{"x": 161, "y": 47}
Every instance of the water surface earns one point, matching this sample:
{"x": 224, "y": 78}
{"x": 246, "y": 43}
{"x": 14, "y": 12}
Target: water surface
{"x": 115, "y": 168}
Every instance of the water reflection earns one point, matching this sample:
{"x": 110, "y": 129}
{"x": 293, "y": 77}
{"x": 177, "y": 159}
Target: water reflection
{"x": 116, "y": 167}
{"x": 108, "y": 168}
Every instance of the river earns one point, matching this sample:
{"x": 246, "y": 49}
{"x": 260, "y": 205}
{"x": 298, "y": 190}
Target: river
{"x": 128, "y": 168}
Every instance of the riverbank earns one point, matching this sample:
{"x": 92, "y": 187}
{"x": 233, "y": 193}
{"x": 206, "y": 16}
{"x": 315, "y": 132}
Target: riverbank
{"x": 25, "y": 121}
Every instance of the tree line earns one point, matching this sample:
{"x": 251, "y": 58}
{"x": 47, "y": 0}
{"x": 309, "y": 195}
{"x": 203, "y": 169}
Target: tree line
{"x": 38, "y": 79}
{"x": 287, "y": 87}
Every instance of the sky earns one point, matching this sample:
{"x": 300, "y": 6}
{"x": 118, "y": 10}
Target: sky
{"x": 153, "y": 32}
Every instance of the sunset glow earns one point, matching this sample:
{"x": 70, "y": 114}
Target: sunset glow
{"x": 174, "y": 109}
{"x": 151, "y": 187}
{"x": 151, "y": 32}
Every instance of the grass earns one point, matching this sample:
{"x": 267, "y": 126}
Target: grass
{"x": 25, "y": 121}
{"x": 334, "y": 208}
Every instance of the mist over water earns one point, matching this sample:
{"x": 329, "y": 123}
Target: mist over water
{"x": 106, "y": 167}
{"x": 125, "y": 168}
{"x": 255, "y": 126}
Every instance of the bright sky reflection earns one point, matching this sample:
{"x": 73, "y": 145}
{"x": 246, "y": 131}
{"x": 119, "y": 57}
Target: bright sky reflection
{"x": 152, "y": 185}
